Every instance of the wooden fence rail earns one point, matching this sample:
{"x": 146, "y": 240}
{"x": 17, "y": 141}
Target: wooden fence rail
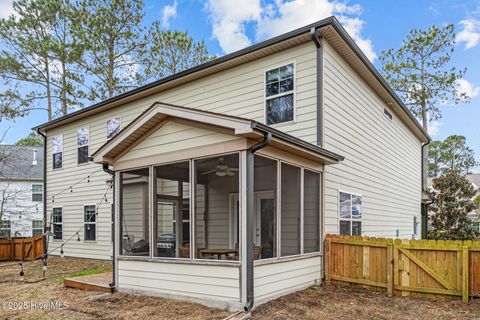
{"x": 417, "y": 268}
{"x": 21, "y": 249}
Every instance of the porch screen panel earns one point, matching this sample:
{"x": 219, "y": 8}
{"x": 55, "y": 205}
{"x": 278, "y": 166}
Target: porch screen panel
{"x": 171, "y": 214}
{"x": 265, "y": 187}
{"x": 216, "y": 183}
{"x": 290, "y": 210}
{"x": 311, "y": 212}
{"x": 134, "y": 221}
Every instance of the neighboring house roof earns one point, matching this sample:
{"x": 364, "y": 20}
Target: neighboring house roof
{"x": 17, "y": 162}
{"x": 328, "y": 28}
{"x": 159, "y": 113}
{"x": 474, "y": 178}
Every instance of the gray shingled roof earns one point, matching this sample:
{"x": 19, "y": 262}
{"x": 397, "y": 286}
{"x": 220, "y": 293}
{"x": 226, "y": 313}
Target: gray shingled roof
{"x": 16, "y": 162}
{"x": 472, "y": 177}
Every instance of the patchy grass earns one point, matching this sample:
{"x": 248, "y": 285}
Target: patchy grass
{"x": 86, "y": 272}
{"x": 324, "y": 302}
{"x": 78, "y": 304}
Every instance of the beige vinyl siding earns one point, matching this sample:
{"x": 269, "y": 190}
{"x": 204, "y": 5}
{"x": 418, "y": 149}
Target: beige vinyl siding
{"x": 275, "y": 279}
{"x": 382, "y": 156}
{"x": 173, "y": 137}
{"x": 211, "y": 282}
{"x": 238, "y": 91}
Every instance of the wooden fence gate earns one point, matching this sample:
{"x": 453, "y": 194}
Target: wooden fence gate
{"x": 418, "y": 268}
{"x": 21, "y": 248}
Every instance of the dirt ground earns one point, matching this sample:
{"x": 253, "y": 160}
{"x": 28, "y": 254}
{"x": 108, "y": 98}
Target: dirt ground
{"x": 326, "y": 302}
{"x": 354, "y": 302}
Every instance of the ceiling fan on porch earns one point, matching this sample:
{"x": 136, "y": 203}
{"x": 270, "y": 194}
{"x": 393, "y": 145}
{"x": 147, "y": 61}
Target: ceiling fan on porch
{"x": 221, "y": 169}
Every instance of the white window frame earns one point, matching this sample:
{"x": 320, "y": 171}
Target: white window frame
{"x": 57, "y": 223}
{"x": 85, "y": 223}
{"x": 294, "y": 92}
{"x": 36, "y": 193}
{"x": 3, "y": 228}
{"x": 83, "y": 145}
{"x": 351, "y": 219}
{"x": 54, "y": 153}
{"x": 37, "y": 228}
{"x": 106, "y": 127}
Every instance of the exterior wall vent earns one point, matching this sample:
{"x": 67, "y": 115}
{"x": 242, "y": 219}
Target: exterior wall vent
{"x": 387, "y": 113}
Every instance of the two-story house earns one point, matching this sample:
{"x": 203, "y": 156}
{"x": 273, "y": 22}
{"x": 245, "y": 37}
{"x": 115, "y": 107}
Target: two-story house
{"x": 226, "y": 176}
{"x": 21, "y": 191}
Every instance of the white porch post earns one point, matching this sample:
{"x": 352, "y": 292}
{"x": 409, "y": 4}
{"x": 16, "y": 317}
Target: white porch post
{"x": 243, "y": 226}
{"x": 117, "y": 236}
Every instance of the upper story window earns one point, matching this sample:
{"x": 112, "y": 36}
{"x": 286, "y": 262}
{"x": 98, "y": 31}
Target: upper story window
{"x": 82, "y": 145}
{"x": 279, "y": 84}
{"x": 57, "y": 142}
{"x": 37, "y": 192}
{"x": 350, "y": 214}
{"x": 113, "y": 127}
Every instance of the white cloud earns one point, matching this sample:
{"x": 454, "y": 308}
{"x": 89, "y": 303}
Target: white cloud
{"x": 470, "y": 33}
{"x": 6, "y": 8}
{"x": 433, "y": 126}
{"x": 464, "y": 86}
{"x": 229, "y": 20}
{"x": 169, "y": 12}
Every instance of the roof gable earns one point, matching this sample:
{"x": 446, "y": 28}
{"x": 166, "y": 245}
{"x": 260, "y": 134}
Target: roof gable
{"x": 168, "y": 124}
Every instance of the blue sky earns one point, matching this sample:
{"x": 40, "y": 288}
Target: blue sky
{"x": 229, "y": 25}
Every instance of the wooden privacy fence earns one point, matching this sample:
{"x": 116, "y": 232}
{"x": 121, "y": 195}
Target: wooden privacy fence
{"x": 416, "y": 268}
{"x": 21, "y": 248}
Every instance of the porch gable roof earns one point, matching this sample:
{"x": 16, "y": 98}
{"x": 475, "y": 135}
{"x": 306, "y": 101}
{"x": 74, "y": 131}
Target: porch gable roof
{"x": 154, "y": 117}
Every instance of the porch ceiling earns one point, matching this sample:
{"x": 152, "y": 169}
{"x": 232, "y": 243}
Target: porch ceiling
{"x": 159, "y": 114}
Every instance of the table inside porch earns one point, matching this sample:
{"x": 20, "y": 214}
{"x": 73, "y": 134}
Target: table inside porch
{"x": 219, "y": 252}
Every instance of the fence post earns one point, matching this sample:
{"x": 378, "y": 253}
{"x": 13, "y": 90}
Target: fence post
{"x": 328, "y": 260}
{"x": 390, "y": 262}
{"x": 12, "y": 253}
{"x": 465, "y": 274}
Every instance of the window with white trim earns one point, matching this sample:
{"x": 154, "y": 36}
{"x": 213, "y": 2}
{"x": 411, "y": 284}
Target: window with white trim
{"x": 350, "y": 214}
{"x": 113, "y": 127}
{"x": 37, "y": 192}
{"x": 82, "y": 145}
{"x": 57, "y": 146}
{"x": 90, "y": 221}
{"x": 5, "y": 229}
{"x": 279, "y": 84}
{"x": 57, "y": 221}
{"x": 37, "y": 227}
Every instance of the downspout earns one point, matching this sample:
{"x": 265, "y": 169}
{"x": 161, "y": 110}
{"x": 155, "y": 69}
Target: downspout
{"x": 316, "y": 41}
{"x": 45, "y": 238}
{"x": 250, "y": 215}
{"x": 424, "y": 210}
{"x": 111, "y": 172}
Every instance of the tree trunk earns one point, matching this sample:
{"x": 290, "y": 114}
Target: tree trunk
{"x": 425, "y": 149}
{"x": 49, "y": 90}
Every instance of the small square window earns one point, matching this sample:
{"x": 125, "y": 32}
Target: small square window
{"x": 83, "y": 155}
{"x": 113, "y": 127}
{"x": 57, "y": 160}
